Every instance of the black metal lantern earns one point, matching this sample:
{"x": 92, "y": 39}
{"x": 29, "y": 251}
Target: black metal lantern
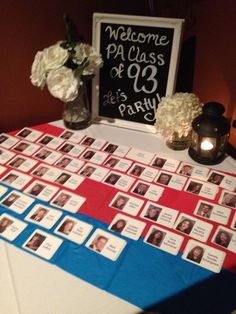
{"x": 210, "y": 133}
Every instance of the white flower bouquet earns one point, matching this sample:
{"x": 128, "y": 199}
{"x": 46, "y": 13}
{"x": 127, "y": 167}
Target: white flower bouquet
{"x": 175, "y": 114}
{"x": 64, "y": 65}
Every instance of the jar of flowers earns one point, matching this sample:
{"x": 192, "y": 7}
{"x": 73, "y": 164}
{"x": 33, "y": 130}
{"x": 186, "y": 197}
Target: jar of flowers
{"x": 174, "y": 118}
{"x": 65, "y": 68}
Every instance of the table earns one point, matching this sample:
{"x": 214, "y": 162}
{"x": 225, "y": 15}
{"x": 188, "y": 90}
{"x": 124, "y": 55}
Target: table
{"x": 29, "y": 285}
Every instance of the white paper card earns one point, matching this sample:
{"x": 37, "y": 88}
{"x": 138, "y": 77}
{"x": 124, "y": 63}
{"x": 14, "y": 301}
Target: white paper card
{"x": 193, "y": 171}
{"x": 41, "y": 190}
{"x": 143, "y": 172}
{"x": 29, "y": 134}
{"x": 50, "y": 141}
{"x": 171, "y": 180}
{"x": 116, "y": 163}
{"x": 69, "y": 180}
{"x": 224, "y": 181}
{"x": 46, "y": 172}
{"x": 119, "y": 181}
{"x": 71, "y": 149}
{"x": 47, "y": 155}
{"x": 164, "y": 240}
{"x": 5, "y": 155}
{"x": 93, "y": 142}
{"x": 140, "y": 155}
{"x": 126, "y": 203}
{"x": 26, "y": 148}
{"x": 74, "y": 229}
{"x": 116, "y": 149}
{"x": 68, "y": 201}
{"x": 94, "y": 156}
{"x": 94, "y": 172}
{"x": 10, "y": 227}
{"x": 16, "y": 179}
{"x": 225, "y": 238}
{"x": 7, "y": 141}
{"x": 22, "y": 163}
{"x": 69, "y": 163}
{"x": 42, "y": 244}
{"x": 165, "y": 163}
{"x": 17, "y": 201}
{"x": 147, "y": 190}
{"x": 204, "y": 256}
{"x": 106, "y": 244}
{"x": 202, "y": 189}
{"x": 74, "y": 137}
{"x": 228, "y": 199}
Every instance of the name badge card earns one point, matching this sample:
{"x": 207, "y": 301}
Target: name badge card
{"x": 128, "y": 227}
{"x": 193, "y": 171}
{"x": 118, "y": 163}
{"x": 195, "y": 228}
{"x": 68, "y": 201}
{"x": 212, "y": 212}
{"x": 165, "y": 163}
{"x": 47, "y": 155}
{"x": 140, "y": 155}
{"x": 22, "y": 163}
{"x": 69, "y": 180}
{"x": 204, "y": 256}
{"x": 94, "y": 156}
{"x": 16, "y": 179}
{"x": 42, "y": 244}
{"x": 3, "y": 190}
{"x": 226, "y": 238}
{"x": 147, "y": 190}
{"x": 202, "y": 189}
{"x": 228, "y": 199}
{"x": 69, "y": 163}
{"x": 26, "y": 148}
{"x": 17, "y": 201}
{"x": 50, "y": 141}
{"x": 116, "y": 149}
{"x": 10, "y": 227}
{"x": 143, "y": 172}
{"x": 93, "y": 143}
{"x": 71, "y": 149}
{"x": 233, "y": 224}
{"x": 41, "y": 190}
{"x": 118, "y": 180}
{"x": 127, "y": 203}
{"x": 46, "y": 172}
{"x": 164, "y": 240}
{"x": 160, "y": 214}
{"x": 29, "y": 134}
{"x": 5, "y": 155}
{"x": 171, "y": 180}
{"x": 43, "y": 216}
{"x": 224, "y": 181}
{"x": 94, "y": 172}
{"x": 74, "y": 137}
{"x": 106, "y": 244}
{"x": 73, "y": 229}
{"x": 7, "y": 141}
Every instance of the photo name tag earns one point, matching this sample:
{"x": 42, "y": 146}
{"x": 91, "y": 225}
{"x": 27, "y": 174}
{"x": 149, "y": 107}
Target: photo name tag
{"x": 42, "y": 244}
{"x": 26, "y": 148}
{"x": 106, "y": 244}
{"x": 41, "y": 190}
{"x": 7, "y": 141}
{"x": 71, "y": 149}
{"x": 193, "y": 171}
{"x": 43, "y": 215}
{"x": 94, "y": 156}
{"x": 69, "y": 180}
{"x": 69, "y": 163}
{"x": 68, "y": 201}
{"x": 93, "y": 142}
{"x": 50, "y": 141}
{"x": 17, "y": 201}
{"x": 147, "y": 190}
{"x": 94, "y": 172}
{"x": 29, "y": 134}
{"x": 120, "y": 164}
{"x": 200, "y": 188}
{"x": 143, "y": 172}
{"x": 212, "y": 212}
{"x": 228, "y": 199}
{"x": 5, "y": 155}
{"x": 171, "y": 180}
{"x": 165, "y": 163}
{"x": 16, "y": 179}
{"x": 222, "y": 180}
{"x": 127, "y": 203}
{"x": 10, "y": 227}
{"x": 46, "y": 172}
{"x": 126, "y": 226}
{"x": 22, "y": 163}
{"x": 74, "y": 137}
{"x": 119, "y": 181}
{"x": 116, "y": 149}
{"x": 74, "y": 229}
{"x": 160, "y": 214}
{"x": 139, "y": 155}
{"x": 204, "y": 256}
{"x": 225, "y": 238}
{"x": 164, "y": 240}
{"x": 195, "y": 228}
{"x": 47, "y": 155}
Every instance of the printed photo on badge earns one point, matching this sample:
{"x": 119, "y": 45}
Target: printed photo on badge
{"x": 61, "y": 199}
{"x": 40, "y": 171}
{"x": 99, "y": 243}
{"x": 223, "y": 238}
{"x": 228, "y": 199}
{"x": 5, "y": 222}
{"x": 88, "y": 171}
{"x": 204, "y": 210}
{"x": 194, "y": 187}
{"x": 141, "y": 188}
{"x": 163, "y": 178}
{"x": 156, "y": 237}
{"x": 185, "y": 225}
{"x": 215, "y": 178}
{"x": 152, "y": 212}
{"x": 10, "y": 199}
{"x": 158, "y": 162}
{"x": 112, "y": 179}
{"x": 186, "y": 170}
{"x": 120, "y": 202}
{"x": 137, "y": 170}
{"x": 43, "y": 154}
{"x": 35, "y": 241}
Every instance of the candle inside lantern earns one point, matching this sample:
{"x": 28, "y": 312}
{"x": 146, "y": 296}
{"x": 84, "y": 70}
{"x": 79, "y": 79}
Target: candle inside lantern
{"x": 206, "y": 145}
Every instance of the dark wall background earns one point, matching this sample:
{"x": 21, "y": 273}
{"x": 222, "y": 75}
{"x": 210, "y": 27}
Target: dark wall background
{"x": 207, "y": 66}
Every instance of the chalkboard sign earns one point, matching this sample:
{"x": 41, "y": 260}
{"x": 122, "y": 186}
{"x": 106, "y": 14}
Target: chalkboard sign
{"x": 140, "y": 57}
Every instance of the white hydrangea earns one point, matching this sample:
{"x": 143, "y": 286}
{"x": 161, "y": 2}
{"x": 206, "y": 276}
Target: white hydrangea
{"x": 175, "y": 113}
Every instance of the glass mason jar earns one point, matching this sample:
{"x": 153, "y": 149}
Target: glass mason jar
{"x": 76, "y": 114}
{"x": 177, "y": 142}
